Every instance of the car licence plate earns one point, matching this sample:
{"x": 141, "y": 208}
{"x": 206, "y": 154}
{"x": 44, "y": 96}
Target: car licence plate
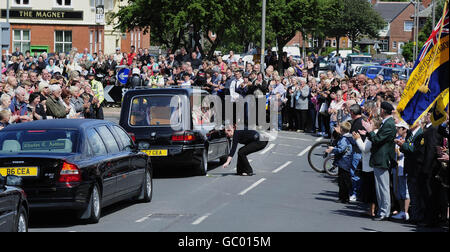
{"x": 19, "y": 171}
{"x": 156, "y": 153}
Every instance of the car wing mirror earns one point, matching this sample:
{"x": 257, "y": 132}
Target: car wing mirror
{"x": 12, "y": 180}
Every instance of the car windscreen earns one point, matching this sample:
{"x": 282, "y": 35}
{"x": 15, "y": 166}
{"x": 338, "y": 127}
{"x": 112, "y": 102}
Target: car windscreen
{"x": 391, "y": 71}
{"x": 373, "y": 70}
{"x": 155, "y": 110}
{"x": 38, "y": 141}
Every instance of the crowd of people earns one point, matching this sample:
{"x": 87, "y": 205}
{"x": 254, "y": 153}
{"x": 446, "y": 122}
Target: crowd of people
{"x": 399, "y": 170}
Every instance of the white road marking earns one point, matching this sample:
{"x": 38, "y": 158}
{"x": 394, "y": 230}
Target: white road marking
{"x": 144, "y": 218}
{"x": 282, "y": 167}
{"x": 290, "y": 146}
{"x": 201, "y": 219}
{"x": 268, "y": 149}
{"x": 304, "y": 151}
{"x": 252, "y": 186}
{"x": 319, "y": 139}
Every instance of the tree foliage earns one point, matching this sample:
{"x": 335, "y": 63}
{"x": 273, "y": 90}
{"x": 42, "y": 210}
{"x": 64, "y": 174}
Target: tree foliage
{"x": 237, "y": 23}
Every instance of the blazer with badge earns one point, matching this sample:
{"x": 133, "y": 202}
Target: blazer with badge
{"x": 383, "y": 145}
{"x": 413, "y": 150}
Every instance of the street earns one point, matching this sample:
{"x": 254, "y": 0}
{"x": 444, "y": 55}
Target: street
{"x": 285, "y": 195}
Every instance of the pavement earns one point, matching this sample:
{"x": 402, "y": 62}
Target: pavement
{"x": 285, "y": 195}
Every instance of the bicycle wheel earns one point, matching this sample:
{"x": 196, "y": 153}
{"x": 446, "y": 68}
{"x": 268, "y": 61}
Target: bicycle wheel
{"x": 329, "y": 168}
{"x": 317, "y": 154}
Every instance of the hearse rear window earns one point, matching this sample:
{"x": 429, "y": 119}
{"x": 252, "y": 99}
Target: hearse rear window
{"x": 153, "y": 110}
{"x": 38, "y": 141}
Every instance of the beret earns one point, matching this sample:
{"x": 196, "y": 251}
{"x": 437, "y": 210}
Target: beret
{"x": 387, "y": 106}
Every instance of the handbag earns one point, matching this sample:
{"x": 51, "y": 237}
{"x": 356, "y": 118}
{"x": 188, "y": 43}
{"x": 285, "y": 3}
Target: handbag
{"x": 323, "y": 109}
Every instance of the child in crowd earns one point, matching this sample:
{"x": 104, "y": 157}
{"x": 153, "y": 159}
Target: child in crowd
{"x": 343, "y": 157}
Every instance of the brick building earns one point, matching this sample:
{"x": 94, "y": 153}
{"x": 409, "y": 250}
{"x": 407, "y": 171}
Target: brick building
{"x": 399, "y": 17}
{"x": 116, "y": 39}
{"x": 60, "y": 25}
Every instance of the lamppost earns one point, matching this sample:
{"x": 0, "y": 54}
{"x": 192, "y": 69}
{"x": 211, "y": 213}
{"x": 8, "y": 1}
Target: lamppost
{"x": 416, "y": 28}
{"x": 263, "y": 36}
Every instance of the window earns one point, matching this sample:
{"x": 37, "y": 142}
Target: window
{"x": 408, "y": 26}
{"x": 132, "y": 38}
{"x": 95, "y": 41}
{"x": 126, "y": 141}
{"x": 203, "y": 113}
{"x": 63, "y": 41}
{"x": 155, "y": 111}
{"x": 384, "y": 45}
{"x": 108, "y": 137}
{"x": 109, "y": 5}
{"x": 21, "y": 3}
{"x": 21, "y": 40}
{"x": 95, "y": 3}
{"x": 97, "y": 145}
{"x": 63, "y": 3}
{"x": 394, "y": 45}
{"x": 38, "y": 141}
{"x": 91, "y": 40}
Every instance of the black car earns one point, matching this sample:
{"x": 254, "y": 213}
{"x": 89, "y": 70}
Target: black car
{"x": 82, "y": 165}
{"x": 13, "y": 205}
{"x": 173, "y": 129}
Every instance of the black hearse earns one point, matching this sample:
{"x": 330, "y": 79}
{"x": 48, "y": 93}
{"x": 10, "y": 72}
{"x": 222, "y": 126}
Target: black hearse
{"x": 175, "y": 126}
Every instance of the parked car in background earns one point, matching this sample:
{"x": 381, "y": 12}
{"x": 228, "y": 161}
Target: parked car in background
{"x": 172, "y": 129}
{"x": 81, "y": 165}
{"x": 393, "y": 65}
{"x": 387, "y": 72}
{"x": 372, "y": 71}
{"x": 342, "y": 53}
{"x": 355, "y": 60}
{"x": 14, "y": 212}
{"x": 363, "y": 68}
{"x": 323, "y": 64}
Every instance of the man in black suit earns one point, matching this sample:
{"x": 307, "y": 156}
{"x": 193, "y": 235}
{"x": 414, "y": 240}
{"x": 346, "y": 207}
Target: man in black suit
{"x": 111, "y": 64}
{"x": 429, "y": 186}
{"x": 412, "y": 148}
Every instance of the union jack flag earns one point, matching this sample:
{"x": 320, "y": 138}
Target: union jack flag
{"x": 434, "y": 37}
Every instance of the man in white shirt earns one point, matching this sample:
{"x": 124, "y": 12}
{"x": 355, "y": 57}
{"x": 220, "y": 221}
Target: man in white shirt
{"x": 340, "y": 69}
{"x": 118, "y": 56}
{"x": 235, "y": 85}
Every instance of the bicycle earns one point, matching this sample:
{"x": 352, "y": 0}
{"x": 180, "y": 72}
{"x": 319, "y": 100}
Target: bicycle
{"x": 329, "y": 167}
{"x": 317, "y": 155}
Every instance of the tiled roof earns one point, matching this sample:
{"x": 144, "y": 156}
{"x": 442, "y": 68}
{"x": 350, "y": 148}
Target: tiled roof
{"x": 390, "y": 10}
